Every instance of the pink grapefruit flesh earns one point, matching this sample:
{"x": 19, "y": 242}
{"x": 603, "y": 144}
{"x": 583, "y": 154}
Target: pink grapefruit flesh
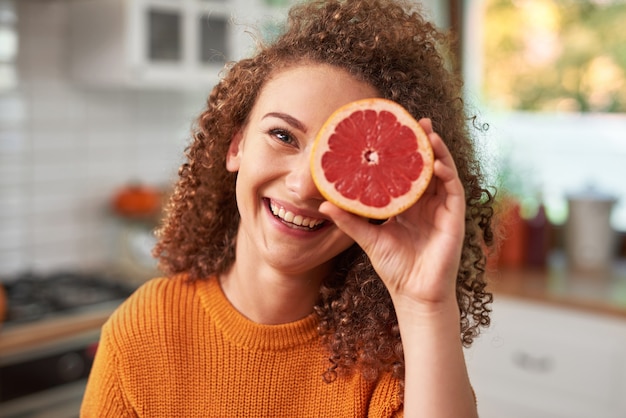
{"x": 372, "y": 158}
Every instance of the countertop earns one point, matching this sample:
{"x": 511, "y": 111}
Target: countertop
{"x": 596, "y": 292}
{"x": 601, "y": 293}
{"x": 16, "y": 339}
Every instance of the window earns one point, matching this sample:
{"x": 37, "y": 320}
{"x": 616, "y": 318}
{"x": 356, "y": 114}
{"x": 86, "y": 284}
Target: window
{"x": 554, "y": 55}
{"x": 549, "y": 78}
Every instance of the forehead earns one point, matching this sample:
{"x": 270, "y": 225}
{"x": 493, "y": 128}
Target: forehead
{"x": 307, "y": 85}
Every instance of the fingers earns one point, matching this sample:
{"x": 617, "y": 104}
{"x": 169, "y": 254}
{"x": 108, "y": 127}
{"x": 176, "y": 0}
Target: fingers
{"x": 427, "y": 125}
{"x": 444, "y": 167}
{"x": 356, "y": 227}
{"x": 346, "y": 221}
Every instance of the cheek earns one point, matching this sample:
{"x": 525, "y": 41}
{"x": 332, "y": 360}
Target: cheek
{"x": 241, "y": 188}
{"x": 249, "y": 186}
{"x": 342, "y": 242}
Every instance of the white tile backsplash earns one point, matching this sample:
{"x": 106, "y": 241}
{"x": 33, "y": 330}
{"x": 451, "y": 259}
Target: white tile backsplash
{"x": 12, "y": 233}
{"x": 12, "y": 203}
{"x": 66, "y": 148}
{"x": 12, "y": 112}
{"x": 12, "y": 260}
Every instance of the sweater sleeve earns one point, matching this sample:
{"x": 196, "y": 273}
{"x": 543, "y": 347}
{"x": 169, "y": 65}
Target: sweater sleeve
{"x": 104, "y": 396}
{"x": 386, "y": 401}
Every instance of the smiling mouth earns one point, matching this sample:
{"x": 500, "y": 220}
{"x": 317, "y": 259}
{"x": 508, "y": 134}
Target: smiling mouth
{"x": 298, "y": 221}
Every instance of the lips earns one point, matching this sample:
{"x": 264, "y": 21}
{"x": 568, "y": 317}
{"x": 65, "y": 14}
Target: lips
{"x": 294, "y": 219}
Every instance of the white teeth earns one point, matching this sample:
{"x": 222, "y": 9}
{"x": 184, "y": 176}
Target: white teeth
{"x": 290, "y": 217}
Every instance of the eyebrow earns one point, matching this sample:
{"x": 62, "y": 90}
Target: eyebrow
{"x": 295, "y": 123}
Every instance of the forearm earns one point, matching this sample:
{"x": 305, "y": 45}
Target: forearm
{"x": 436, "y": 379}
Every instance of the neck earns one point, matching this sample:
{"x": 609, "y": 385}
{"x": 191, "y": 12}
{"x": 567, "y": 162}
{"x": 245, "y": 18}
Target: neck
{"x": 267, "y": 297}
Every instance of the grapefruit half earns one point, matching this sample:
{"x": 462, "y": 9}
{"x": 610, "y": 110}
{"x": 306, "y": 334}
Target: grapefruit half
{"x": 372, "y": 158}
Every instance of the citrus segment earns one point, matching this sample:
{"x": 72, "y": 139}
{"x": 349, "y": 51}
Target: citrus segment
{"x": 372, "y": 158}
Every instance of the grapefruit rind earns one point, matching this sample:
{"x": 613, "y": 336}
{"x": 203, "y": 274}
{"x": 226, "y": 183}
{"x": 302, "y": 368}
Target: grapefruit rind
{"x": 396, "y": 205}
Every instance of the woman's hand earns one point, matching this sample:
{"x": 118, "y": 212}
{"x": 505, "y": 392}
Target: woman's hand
{"x": 417, "y": 252}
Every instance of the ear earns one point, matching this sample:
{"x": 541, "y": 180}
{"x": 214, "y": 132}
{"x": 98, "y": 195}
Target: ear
{"x": 233, "y": 157}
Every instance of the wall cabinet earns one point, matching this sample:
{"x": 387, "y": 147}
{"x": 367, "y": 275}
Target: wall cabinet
{"x": 161, "y": 43}
{"x": 540, "y": 361}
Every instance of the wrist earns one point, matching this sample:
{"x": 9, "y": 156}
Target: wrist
{"x": 440, "y": 319}
{"x": 447, "y": 308}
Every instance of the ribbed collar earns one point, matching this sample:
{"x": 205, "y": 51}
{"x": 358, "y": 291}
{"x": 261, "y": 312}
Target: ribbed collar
{"x": 251, "y": 335}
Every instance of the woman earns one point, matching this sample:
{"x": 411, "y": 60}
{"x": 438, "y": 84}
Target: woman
{"x": 279, "y": 303}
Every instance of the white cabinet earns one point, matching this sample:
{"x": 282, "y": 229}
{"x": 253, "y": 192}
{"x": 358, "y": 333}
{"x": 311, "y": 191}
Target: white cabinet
{"x": 161, "y": 43}
{"x": 542, "y": 361}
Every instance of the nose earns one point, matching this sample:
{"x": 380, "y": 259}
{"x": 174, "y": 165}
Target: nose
{"x": 299, "y": 180}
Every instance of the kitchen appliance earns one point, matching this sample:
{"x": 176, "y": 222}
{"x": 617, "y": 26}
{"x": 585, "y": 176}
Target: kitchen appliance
{"x": 49, "y": 340}
{"x": 589, "y": 237}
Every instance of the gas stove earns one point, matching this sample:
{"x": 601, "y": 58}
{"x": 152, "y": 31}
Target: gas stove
{"x": 49, "y": 339}
{"x": 31, "y": 297}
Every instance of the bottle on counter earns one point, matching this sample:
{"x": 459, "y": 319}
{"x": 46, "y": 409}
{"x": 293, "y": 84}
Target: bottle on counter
{"x": 513, "y": 235}
{"x": 539, "y": 235}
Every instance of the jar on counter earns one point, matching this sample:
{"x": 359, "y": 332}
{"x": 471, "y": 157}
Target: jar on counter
{"x": 589, "y": 236}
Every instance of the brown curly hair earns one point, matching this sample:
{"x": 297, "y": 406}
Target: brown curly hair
{"x": 394, "y": 48}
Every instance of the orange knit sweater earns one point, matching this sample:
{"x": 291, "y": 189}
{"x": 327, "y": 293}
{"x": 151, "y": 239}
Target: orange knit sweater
{"x": 178, "y": 349}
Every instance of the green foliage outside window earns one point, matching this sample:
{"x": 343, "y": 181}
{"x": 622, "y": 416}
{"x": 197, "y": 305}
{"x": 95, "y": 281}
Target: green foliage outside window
{"x": 555, "y": 55}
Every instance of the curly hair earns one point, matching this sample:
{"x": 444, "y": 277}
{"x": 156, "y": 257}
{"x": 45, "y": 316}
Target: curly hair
{"x": 391, "y": 46}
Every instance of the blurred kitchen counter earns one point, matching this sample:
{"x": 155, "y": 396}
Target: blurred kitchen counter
{"x": 557, "y": 284}
{"x": 18, "y": 338}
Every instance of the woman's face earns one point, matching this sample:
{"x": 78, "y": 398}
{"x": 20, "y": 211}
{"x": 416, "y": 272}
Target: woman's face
{"x": 277, "y": 199}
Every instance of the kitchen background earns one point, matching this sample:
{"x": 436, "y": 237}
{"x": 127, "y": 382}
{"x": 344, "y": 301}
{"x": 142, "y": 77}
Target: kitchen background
{"x": 83, "y": 115}
{"x": 90, "y": 106}
{"x": 66, "y": 147}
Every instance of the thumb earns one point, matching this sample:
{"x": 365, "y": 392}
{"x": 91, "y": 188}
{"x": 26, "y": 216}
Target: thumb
{"x": 356, "y": 227}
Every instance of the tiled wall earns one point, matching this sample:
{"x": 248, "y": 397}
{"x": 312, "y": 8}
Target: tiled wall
{"x": 64, "y": 149}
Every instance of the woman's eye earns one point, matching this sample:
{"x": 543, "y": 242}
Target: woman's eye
{"x": 282, "y": 135}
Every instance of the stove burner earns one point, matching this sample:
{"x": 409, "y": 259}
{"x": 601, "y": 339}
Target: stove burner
{"x": 31, "y": 296}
